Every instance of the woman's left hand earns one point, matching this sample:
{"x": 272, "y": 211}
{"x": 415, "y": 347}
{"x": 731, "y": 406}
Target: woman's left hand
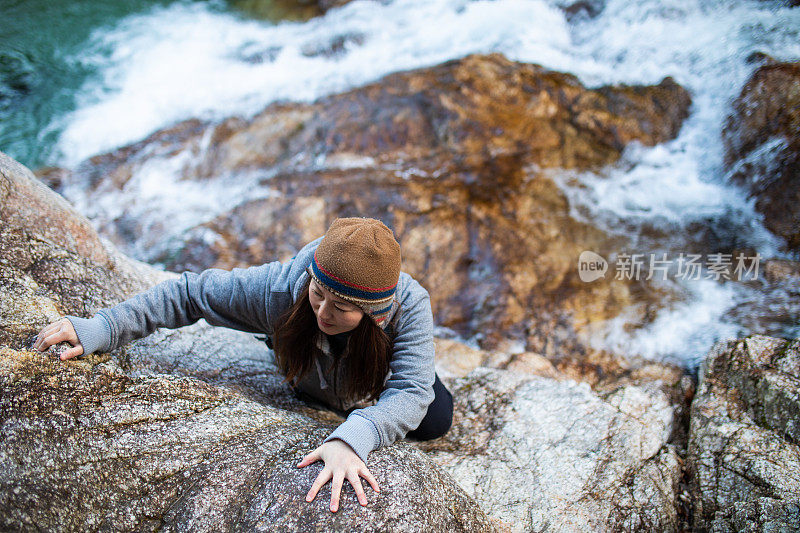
{"x": 341, "y": 463}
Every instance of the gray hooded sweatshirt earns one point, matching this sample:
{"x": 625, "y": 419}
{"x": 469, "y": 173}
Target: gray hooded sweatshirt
{"x": 252, "y": 300}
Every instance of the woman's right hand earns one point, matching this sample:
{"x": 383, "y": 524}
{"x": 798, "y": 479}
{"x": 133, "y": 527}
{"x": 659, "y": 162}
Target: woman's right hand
{"x": 59, "y": 331}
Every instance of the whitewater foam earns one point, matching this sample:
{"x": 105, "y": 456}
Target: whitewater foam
{"x": 164, "y": 205}
{"x": 680, "y": 334}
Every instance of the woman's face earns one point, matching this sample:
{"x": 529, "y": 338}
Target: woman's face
{"x": 334, "y": 315}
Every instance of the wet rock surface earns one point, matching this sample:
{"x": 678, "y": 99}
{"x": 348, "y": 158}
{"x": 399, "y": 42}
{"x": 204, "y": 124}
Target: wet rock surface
{"x": 762, "y": 141}
{"x": 744, "y": 457}
{"x": 455, "y": 158}
{"x": 281, "y": 10}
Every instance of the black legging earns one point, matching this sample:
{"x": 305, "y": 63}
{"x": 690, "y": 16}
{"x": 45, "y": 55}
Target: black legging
{"x": 439, "y": 416}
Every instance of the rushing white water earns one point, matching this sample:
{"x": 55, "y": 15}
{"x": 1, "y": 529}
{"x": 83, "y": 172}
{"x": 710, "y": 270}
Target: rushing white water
{"x": 189, "y": 59}
{"x": 680, "y": 334}
{"x": 198, "y": 60}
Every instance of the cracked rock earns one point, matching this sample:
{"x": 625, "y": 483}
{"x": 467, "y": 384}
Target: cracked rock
{"x": 744, "y": 456}
{"x": 548, "y": 455}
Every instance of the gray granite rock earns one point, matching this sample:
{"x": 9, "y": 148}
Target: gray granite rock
{"x": 548, "y": 455}
{"x": 743, "y": 443}
{"x": 86, "y": 447}
{"x": 762, "y": 515}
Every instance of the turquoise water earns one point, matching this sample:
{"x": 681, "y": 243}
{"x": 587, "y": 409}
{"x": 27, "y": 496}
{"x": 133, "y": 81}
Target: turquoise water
{"x": 39, "y": 73}
{"x": 43, "y": 65}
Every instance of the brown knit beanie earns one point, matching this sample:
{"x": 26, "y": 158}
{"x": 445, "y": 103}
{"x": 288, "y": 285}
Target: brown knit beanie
{"x": 358, "y": 260}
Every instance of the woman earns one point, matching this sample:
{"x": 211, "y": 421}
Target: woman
{"x": 349, "y": 330}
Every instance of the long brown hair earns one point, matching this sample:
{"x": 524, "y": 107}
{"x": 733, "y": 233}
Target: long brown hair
{"x": 365, "y": 360}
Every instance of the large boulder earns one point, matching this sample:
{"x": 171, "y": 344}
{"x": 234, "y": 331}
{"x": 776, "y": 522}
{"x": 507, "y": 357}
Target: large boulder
{"x": 552, "y": 455}
{"x": 598, "y": 455}
{"x": 622, "y": 439}
{"x": 744, "y": 457}
{"x": 87, "y": 447}
{"x": 762, "y": 141}
{"x": 112, "y": 441}
{"x": 52, "y": 261}
{"x": 457, "y": 158}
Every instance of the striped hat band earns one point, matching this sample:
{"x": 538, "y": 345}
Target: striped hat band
{"x": 359, "y": 294}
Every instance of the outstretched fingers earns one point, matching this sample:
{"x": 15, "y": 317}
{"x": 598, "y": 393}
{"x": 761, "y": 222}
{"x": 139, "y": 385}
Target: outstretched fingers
{"x": 341, "y": 463}
{"x": 355, "y": 481}
{"x": 322, "y": 478}
{"x": 366, "y": 474}
{"x": 312, "y": 457}
{"x": 336, "y": 490}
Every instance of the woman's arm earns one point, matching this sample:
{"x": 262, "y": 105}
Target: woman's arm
{"x": 237, "y": 299}
{"x": 409, "y": 390}
{"x": 400, "y": 408}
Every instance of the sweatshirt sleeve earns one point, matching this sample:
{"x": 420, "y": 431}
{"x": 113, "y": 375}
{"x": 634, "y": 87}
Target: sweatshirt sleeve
{"x": 409, "y": 390}
{"x": 237, "y": 299}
